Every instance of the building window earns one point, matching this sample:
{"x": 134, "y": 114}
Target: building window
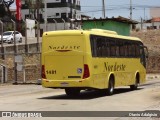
{"x": 63, "y": 15}
{"x": 27, "y": 16}
{"x": 69, "y": 15}
{"x": 63, "y": 1}
{"x": 74, "y": 1}
{"x": 155, "y": 27}
{"x": 57, "y": 14}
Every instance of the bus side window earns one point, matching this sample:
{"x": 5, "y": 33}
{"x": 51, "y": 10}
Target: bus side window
{"x": 113, "y": 48}
{"x": 104, "y": 47}
{"x": 104, "y": 51}
{"x": 126, "y": 52}
{"x": 93, "y": 46}
{"x": 131, "y": 49}
{"x": 118, "y": 48}
{"x": 99, "y": 46}
{"x": 122, "y": 49}
{"x": 108, "y": 51}
{"x": 135, "y": 54}
{"x": 137, "y": 50}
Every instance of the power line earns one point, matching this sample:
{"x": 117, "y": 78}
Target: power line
{"x": 111, "y": 9}
{"x": 103, "y": 9}
{"x": 121, "y": 8}
{"x": 127, "y": 5}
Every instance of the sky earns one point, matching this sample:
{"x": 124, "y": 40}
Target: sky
{"x": 115, "y": 8}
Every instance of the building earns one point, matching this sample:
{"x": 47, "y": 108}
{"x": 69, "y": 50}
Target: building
{"x": 120, "y": 24}
{"x": 57, "y": 13}
{"x": 153, "y": 23}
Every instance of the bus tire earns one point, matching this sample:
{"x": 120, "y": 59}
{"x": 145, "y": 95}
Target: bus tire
{"x": 72, "y": 91}
{"x": 110, "y": 89}
{"x": 135, "y": 86}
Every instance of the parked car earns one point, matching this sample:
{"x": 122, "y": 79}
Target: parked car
{"x": 8, "y": 37}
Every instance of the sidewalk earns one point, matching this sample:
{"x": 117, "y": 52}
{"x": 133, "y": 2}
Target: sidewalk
{"x": 151, "y": 76}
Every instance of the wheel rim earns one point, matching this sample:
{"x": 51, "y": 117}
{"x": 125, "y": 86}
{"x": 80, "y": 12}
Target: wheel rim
{"x": 111, "y": 88}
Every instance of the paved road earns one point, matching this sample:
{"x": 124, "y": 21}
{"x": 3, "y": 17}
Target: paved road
{"x": 37, "y": 98}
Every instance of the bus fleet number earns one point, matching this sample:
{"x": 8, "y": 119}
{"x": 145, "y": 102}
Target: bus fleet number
{"x": 51, "y": 71}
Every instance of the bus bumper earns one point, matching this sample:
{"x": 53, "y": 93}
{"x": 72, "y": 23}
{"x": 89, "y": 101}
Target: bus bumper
{"x": 86, "y": 83}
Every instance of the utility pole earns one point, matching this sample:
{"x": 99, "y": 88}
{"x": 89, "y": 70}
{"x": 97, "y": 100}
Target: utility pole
{"x": 141, "y": 23}
{"x": 103, "y": 9}
{"x": 131, "y": 9}
{"x": 71, "y": 25}
{"x": 3, "y": 54}
{"x": 15, "y": 54}
{"x": 144, "y": 14}
{"x": 45, "y": 16}
{"x": 38, "y": 24}
{"x": 2, "y": 47}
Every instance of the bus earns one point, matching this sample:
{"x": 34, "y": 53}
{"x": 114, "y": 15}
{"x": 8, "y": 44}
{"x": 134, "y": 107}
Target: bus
{"x": 76, "y": 60}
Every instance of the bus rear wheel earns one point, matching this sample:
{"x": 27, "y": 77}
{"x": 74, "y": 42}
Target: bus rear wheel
{"x": 72, "y": 91}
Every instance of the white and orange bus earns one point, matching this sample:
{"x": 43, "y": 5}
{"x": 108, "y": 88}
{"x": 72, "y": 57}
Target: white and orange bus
{"x": 76, "y": 60}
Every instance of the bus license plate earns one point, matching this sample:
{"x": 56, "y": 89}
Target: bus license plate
{"x": 64, "y": 84}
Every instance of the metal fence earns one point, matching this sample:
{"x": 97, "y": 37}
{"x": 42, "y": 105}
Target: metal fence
{"x": 19, "y": 63}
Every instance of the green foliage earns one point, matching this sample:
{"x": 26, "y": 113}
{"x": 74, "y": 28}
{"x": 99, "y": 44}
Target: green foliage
{"x": 35, "y": 27}
{"x": 2, "y": 11}
{"x": 8, "y": 27}
{"x": 7, "y": 4}
{"x": 32, "y": 5}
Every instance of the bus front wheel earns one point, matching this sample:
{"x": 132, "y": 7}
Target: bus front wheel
{"x": 135, "y": 86}
{"x": 110, "y": 89}
{"x": 72, "y": 91}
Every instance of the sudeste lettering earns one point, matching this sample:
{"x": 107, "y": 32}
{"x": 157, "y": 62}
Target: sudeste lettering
{"x": 114, "y": 67}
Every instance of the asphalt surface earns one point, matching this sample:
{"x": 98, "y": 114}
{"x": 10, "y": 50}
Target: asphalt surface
{"x": 30, "y": 97}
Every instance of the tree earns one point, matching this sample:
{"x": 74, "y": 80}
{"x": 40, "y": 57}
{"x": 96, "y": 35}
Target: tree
{"x": 2, "y": 11}
{"x": 34, "y": 6}
{"x": 7, "y": 4}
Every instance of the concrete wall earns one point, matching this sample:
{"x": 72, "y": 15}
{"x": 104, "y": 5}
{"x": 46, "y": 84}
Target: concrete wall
{"x": 31, "y": 66}
{"x": 21, "y": 48}
{"x": 144, "y": 26}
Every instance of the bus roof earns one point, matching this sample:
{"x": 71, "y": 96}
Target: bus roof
{"x": 113, "y": 34}
{"x": 99, "y": 32}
